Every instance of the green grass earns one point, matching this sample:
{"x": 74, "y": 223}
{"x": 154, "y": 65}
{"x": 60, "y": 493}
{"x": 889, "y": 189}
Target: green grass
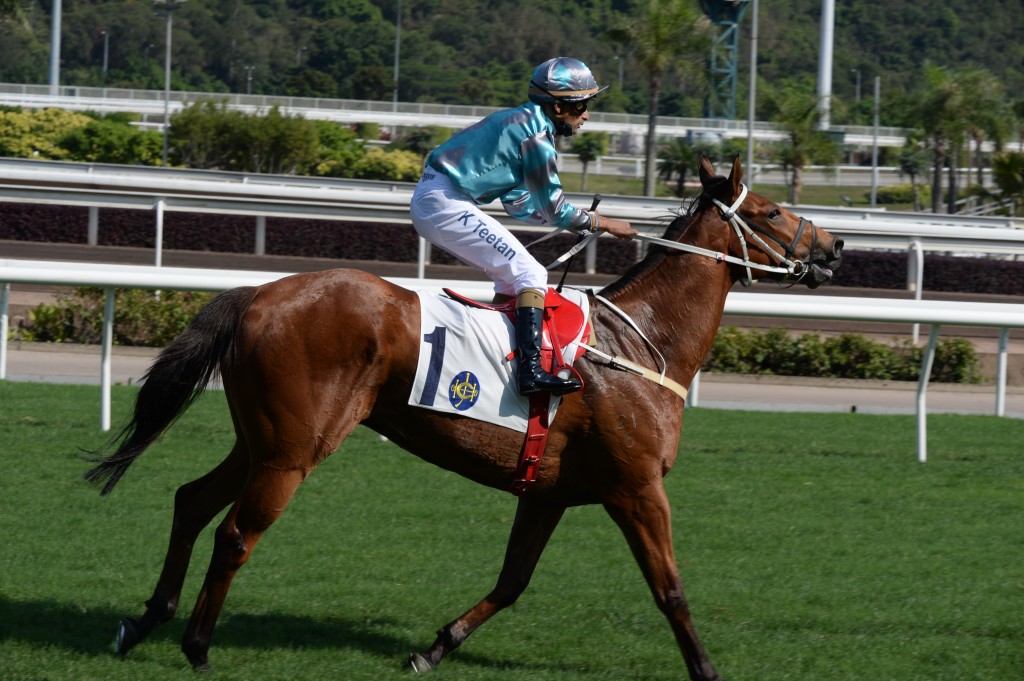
{"x": 813, "y": 546}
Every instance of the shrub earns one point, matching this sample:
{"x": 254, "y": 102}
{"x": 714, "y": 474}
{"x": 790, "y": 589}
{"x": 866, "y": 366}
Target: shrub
{"x": 775, "y": 352}
{"x": 902, "y": 193}
{"x": 397, "y": 165}
{"x": 145, "y": 318}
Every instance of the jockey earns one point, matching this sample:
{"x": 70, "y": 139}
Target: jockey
{"x": 510, "y": 155}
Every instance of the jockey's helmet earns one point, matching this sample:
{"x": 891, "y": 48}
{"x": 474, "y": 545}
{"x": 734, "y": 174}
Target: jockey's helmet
{"x": 563, "y": 79}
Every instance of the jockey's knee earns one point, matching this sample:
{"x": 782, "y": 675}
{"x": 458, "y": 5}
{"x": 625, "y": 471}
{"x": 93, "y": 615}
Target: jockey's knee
{"x": 530, "y": 297}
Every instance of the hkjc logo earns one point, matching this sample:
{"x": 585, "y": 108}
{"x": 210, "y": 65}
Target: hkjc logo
{"x": 464, "y": 390}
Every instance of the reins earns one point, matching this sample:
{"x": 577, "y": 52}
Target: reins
{"x": 795, "y": 269}
{"x": 786, "y": 266}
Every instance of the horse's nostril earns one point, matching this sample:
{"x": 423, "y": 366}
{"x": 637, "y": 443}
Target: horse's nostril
{"x": 837, "y": 248}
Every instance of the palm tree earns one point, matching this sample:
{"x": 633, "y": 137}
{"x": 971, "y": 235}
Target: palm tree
{"x": 663, "y": 34}
{"x": 914, "y": 161}
{"x": 987, "y": 111}
{"x": 589, "y": 147}
{"x": 797, "y": 113}
{"x": 680, "y": 156}
{"x": 939, "y": 110}
{"x": 1008, "y": 173}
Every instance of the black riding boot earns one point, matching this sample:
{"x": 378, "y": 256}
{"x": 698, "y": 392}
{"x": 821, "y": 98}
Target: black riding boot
{"x": 533, "y": 379}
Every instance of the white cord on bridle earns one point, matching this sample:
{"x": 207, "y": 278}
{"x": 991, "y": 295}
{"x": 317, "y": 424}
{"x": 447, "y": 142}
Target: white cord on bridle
{"x": 731, "y": 215}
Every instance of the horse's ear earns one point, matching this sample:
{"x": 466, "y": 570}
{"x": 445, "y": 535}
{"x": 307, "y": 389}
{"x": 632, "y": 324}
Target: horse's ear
{"x": 736, "y": 175}
{"x": 705, "y": 170}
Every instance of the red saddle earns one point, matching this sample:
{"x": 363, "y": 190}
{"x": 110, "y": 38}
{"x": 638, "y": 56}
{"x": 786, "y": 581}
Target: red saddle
{"x": 563, "y": 320}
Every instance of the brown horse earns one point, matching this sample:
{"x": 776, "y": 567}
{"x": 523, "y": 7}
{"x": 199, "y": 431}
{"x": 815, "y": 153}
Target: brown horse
{"x": 306, "y": 359}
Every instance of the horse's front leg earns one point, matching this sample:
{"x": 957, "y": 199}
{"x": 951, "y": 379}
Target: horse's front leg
{"x": 645, "y": 519}
{"x": 531, "y": 529}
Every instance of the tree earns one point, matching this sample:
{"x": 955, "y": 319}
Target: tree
{"x": 914, "y": 161}
{"x": 680, "y": 156}
{"x": 939, "y": 111}
{"x": 1008, "y": 174}
{"x": 35, "y": 134}
{"x": 664, "y": 34}
{"x": 987, "y": 112}
{"x": 797, "y": 113}
{"x": 110, "y": 140}
{"x": 589, "y": 147}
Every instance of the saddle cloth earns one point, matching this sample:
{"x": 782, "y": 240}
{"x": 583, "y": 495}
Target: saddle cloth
{"x": 465, "y": 364}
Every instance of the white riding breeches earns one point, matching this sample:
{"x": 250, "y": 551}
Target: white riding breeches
{"x": 449, "y": 219}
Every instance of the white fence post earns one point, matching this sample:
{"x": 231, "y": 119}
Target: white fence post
{"x": 5, "y": 296}
{"x": 261, "y": 235}
{"x": 105, "y": 357}
{"x": 915, "y": 277}
{"x": 1001, "y": 370}
{"x": 693, "y": 394}
{"x": 93, "y": 237}
{"x": 922, "y": 389}
{"x": 160, "y": 203}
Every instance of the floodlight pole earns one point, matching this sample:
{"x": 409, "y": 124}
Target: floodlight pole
{"x": 168, "y": 7}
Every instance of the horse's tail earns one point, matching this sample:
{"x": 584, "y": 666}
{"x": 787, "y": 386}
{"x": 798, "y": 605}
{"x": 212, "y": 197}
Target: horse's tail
{"x": 173, "y": 382}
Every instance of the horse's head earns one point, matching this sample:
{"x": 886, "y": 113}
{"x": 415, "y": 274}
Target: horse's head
{"x": 769, "y": 238}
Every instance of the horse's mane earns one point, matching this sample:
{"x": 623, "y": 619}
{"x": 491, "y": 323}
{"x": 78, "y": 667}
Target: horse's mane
{"x": 656, "y": 254}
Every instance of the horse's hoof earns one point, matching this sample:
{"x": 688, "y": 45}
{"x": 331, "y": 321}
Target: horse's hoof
{"x": 420, "y": 664}
{"x": 127, "y": 636}
{"x": 202, "y": 668}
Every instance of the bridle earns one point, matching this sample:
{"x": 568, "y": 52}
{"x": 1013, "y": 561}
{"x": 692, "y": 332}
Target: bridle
{"x": 793, "y": 269}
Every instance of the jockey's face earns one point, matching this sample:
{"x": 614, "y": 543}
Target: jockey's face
{"x": 573, "y": 114}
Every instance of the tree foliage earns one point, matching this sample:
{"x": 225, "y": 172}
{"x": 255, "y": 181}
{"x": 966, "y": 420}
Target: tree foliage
{"x": 36, "y": 134}
{"x": 474, "y": 52}
{"x": 589, "y": 146}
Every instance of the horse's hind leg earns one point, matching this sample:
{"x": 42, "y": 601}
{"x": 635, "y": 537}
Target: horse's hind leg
{"x": 266, "y": 493}
{"x": 195, "y": 505}
{"x": 645, "y": 519}
{"x": 533, "y": 525}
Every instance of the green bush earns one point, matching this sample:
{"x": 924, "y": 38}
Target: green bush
{"x": 152, "y": 319}
{"x": 145, "y": 318}
{"x": 776, "y": 352}
{"x": 397, "y": 165}
{"x": 901, "y": 193}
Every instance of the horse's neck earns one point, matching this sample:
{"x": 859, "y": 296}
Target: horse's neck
{"x": 678, "y": 304}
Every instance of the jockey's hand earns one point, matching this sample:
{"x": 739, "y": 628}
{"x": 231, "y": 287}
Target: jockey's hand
{"x": 617, "y": 228}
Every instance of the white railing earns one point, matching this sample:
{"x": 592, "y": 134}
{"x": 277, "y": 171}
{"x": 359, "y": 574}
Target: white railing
{"x": 409, "y": 114}
{"x": 165, "y": 189}
{"x": 935, "y": 313}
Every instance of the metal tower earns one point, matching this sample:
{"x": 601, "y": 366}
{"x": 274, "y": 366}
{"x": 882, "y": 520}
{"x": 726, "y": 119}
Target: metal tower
{"x": 726, "y": 16}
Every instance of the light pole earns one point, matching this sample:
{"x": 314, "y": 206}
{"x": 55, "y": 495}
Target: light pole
{"x": 106, "y": 53}
{"x": 248, "y": 79}
{"x": 55, "y": 23}
{"x": 167, "y": 7}
{"x": 398, "y": 50}
{"x": 752, "y": 97}
{"x": 856, "y": 72}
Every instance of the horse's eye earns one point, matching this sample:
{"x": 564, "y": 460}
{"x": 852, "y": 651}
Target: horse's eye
{"x": 774, "y": 213}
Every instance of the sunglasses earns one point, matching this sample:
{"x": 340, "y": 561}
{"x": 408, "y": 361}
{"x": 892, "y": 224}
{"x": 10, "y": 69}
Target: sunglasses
{"x": 576, "y": 108}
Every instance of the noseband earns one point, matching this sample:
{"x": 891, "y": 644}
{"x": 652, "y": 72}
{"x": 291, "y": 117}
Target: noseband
{"x": 793, "y": 269}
